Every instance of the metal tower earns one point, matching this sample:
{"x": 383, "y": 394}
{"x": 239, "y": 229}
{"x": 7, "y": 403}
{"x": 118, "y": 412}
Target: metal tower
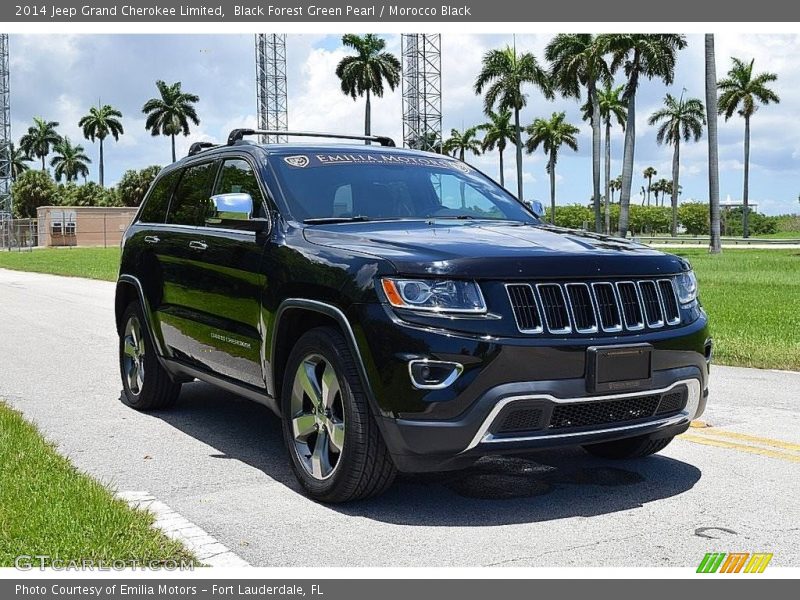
{"x": 422, "y": 90}
{"x": 271, "y": 85}
{"x": 5, "y": 130}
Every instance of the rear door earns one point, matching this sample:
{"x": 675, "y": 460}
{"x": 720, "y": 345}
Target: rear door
{"x": 212, "y": 276}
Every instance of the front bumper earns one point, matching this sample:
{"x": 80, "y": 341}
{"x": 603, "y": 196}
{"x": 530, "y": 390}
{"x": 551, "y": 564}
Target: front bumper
{"x": 441, "y": 429}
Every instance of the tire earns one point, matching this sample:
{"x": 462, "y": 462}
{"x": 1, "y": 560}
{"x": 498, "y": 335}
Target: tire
{"x": 145, "y": 383}
{"x": 635, "y": 447}
{"x": 335, "y": 447}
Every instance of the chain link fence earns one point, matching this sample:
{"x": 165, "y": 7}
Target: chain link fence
{"x": 18, "y": 234}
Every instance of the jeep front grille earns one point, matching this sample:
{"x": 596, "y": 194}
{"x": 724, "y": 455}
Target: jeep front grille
{"x": 586, "y": 308}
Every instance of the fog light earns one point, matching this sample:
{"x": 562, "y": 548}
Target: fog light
{"x": 433, "y": 374}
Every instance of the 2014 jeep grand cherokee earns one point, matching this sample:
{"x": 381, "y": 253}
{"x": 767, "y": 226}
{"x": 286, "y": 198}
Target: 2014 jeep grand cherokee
{"x": 400, "y": 311}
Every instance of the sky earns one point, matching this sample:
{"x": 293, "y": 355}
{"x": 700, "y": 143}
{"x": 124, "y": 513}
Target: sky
{"x": 60, "y": 77}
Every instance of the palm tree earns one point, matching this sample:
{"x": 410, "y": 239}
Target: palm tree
{"x": 578, "y": 60}
{"x": 640, "y": 55}
{"x": 69, "y": 161}
{"x": 498, "y": 131}
{"x": 661, "y": 187}
{"x": 648, "y": 174}
{"x": 170, "y": 113}
{"x": 611, "y": 106}
{"x": 363, "y": 74}
{"x": 741, "y": 92}
{"x": 715, "y": 246}
{"x": 458, "y": 144}
{"x": 99, "y": 123}
{"x": 551, "y": 134}
{"x": 680, "y": 119}
{"x": 39, "y": 139}
{"x": 503, "y": 73}
{"x": 615, "y": 185}
{"x": 17, "y": 159}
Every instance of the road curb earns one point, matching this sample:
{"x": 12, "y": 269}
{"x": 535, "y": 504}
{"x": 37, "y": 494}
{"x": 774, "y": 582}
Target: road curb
{"x": 203, "y": 545}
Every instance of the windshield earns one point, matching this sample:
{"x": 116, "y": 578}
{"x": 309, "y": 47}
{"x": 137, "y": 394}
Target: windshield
{"x": 359, "y": 186}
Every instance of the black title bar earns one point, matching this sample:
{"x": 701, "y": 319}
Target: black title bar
{"x": 299, "y": 11}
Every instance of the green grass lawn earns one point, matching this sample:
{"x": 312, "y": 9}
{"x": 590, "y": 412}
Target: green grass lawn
{"x": 781, "y": 235}
{"x": 750, "y": 295}
{"x": 48, "y": 508}
{"x": 94, "y": 263}
{"x": 753, "y": 301}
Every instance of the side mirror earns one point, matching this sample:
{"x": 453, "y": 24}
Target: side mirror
{"x": 230, "y": 207}
{"x": 536, "y": 207}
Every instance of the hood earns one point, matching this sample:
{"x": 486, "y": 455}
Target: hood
{"x": 502, "y": 250}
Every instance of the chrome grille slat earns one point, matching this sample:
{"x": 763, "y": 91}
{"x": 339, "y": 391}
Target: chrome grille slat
{"x": 581, "y": 305}
{"x": 651, "y": 303}
{"x": 592, "y": 307}
{"x": 526, "y": 309}
{"x": 554, "y": 307}
{"x": 631, "y": 305}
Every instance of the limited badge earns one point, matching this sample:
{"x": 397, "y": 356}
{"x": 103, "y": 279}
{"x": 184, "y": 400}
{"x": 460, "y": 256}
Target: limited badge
{"x": 299, "y": 161}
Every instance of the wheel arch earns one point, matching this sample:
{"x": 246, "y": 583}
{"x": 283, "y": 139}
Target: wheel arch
{"x": 293, "y": 318}
{"x": 129, "y": 288}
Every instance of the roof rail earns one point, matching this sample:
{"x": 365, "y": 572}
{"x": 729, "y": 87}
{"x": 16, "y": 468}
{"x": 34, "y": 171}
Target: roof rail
{"x": 198, "y": 147}
{"x": 238, "y": 134}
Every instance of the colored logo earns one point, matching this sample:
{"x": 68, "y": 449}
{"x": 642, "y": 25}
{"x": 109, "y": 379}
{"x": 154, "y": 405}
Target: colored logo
{"x": 734, "y": 562}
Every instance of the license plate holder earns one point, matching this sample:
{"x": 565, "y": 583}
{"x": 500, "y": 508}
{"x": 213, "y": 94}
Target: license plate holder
{"x": 619, "y": 368}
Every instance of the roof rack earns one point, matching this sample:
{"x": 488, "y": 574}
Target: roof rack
{"x": 198, "y": 147}
{"x": 238, "y": 134}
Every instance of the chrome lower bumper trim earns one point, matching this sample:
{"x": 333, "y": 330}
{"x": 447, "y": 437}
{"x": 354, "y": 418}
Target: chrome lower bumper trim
{"x": 483, "y": 436}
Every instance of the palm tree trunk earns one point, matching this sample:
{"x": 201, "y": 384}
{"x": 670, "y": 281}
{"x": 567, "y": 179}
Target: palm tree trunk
{"x": 649, "y": 185}
{"x": 745, "y": 200}
{"x": 519, "y": 154}
{"x": 368, "y": 116}
{"x": 502, "y": 176}
{"x": 676, "y": 160}
{"x": 101, "y": 162}
{"x": 552, "y": 170}
{"x": 173, "y": 147}
{"x": 715, "y": 247}
{"x": 627, "y": 167}
{"x": 598, "y": 217}
{"x": 607, "y": 229}
{"x": 44, "y": 168}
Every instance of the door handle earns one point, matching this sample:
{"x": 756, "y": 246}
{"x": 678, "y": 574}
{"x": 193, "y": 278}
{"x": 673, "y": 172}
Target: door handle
{"x": 152, "y": 239}
{"x": 198, "y": 245}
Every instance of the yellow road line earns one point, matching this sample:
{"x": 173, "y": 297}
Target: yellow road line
{"x": 751, "y": 438}
{"x": 699, "y": 439}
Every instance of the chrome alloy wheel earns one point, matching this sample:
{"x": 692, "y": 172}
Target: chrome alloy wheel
{"x": 133, "y": 355}
{"x": 317, "y": 416}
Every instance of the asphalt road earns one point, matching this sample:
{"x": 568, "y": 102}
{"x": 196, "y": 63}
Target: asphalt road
{"x": 220, "y": 462}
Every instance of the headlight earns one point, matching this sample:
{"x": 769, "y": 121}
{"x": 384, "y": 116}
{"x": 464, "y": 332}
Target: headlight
{"x": 686, "y": 286}
{"x": 435, "y": 295}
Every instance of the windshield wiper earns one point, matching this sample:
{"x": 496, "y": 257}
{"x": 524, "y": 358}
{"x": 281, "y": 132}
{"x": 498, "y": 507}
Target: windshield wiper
{"x": 323, "y": 220}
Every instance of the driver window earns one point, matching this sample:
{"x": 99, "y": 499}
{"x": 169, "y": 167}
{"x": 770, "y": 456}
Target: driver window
{"x": 460, "y": 196}
{"x": 237, "y": 177}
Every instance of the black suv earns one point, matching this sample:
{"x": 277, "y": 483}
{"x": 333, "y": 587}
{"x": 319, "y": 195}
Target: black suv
{"x": 401, "y": 311}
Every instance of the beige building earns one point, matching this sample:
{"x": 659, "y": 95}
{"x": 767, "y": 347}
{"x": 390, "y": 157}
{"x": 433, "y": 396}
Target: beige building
{"x": 83, "y": 225}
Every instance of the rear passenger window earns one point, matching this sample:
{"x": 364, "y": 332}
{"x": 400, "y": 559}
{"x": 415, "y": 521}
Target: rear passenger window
{"x": 192, "y": 199}
{"x": 157, "y": 201}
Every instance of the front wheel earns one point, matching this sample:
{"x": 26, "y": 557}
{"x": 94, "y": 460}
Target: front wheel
{"x": 145, "y": 383}
{"x": 635, "y": 447}
{"x": 336, "y": 450}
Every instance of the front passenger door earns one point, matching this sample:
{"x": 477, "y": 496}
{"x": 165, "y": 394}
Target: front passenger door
{"x": 213, "y": 289}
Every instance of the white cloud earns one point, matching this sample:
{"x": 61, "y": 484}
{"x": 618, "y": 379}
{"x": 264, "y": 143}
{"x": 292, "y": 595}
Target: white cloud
{"x": 59, "y": 77}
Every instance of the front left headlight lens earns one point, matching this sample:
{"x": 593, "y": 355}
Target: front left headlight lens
{"x": 434, "y": 295}
{"x": 686, "y": 286}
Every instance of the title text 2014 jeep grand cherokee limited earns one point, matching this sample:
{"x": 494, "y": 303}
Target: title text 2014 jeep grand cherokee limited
{"x": 400, "y": 311}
